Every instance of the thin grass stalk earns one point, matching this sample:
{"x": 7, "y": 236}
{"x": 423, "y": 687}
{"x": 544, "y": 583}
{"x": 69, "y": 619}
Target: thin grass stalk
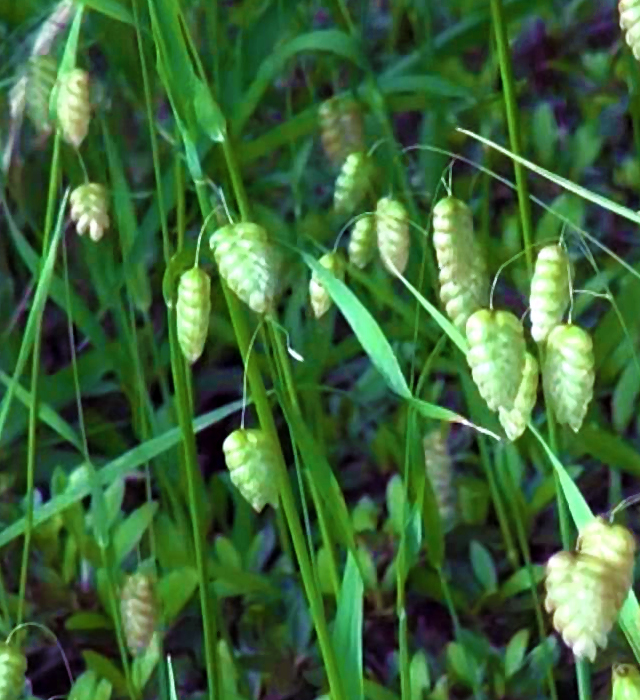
{"x": 35, "y": 373}
{"x": 513, "y": 124}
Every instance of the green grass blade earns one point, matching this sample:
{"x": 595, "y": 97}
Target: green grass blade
{"x": 347, "y": 632}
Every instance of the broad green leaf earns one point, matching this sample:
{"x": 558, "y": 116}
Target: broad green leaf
{"x": 483, "y": 566}
{"x": 420, "y": 676}
{"x": 515, "y": 652}
{"x": 106, "y": 669}
{"x": 143, "y": 665}
{"x": 174, "y": 591}
{"x": 208, "y": 114}
{"x": 348, "y": 630}
{"x": 129, "y": 533}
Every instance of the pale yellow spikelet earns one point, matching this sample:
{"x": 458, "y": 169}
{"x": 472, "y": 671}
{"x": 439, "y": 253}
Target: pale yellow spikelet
{"x": 319, "y": 296}
{"x": 89, "y": 210}
{"x": 586, "y": 588}
{"x": 550, "y": 291}
{"x": 252, "y": 463}
{"x": 138, "y": 609}
{"x": 496, "y": 356}
{"x": 13, "y": 666}
{"x": 568, "y": 373}
{"x": 193, "y": 309}
{"x": 362, "y": 243}
{"x": 626, "y": 682}
{"x": 73, "y": 106}
{"x": 440, "y": 472}
{"x": 340, "y": 128}
{"x": 514, "y": 421}
{"x": 630, "y": 23}
{"x": 352, "y": 182}
{"x": 392, "y": 227}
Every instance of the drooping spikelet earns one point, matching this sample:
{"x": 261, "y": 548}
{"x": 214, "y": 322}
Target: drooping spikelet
{"x": 40, "y": 78}
{"x": 320, "y": 300}
{"x": 138, "y": 609}
{"x": 464, "y": 282}
{"x": 440, "y": 472}
{"x": 13, "y": 666}
{"x": 568, "y": 373}
{"x": 73, "y": 106}
{"x": 252, "y": 463}
{"x": 626, "y": 682}
{"x": 515, "y": 421}
{"x": 340, "y": 128}
{"x": 392, "y": 227}
{"x": 550, "y": 291}
{"x": 248, "y": 263}
{"x": 586, "y": 588}
{"x": 352, "y": 182}
{"x": 192, "y": 312}
{"x": 630, "y": 24}
{"x": 496, "y": 356}
{"x": 89, "y": 210}
{"x": 362, "y": 243}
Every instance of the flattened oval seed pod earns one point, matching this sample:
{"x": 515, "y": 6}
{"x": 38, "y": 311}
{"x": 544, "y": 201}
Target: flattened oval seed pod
{"x": 252, "y": 463}
{"x": 585, "y": 591}
{"x": 89, "y": 210}
{"x": 138, "y": 610}
{"x": 568, "y": 374}
{"x": 193, "y": 310}
{"x": 496, "y": 356}
{"x": 550, "y": 291}
{"x": 13, "y": 666}
{"x": 515, "y": 421}
{"x": 630, "y": 24}
{"x": 440, "y": 472}
{"x": 320, "y": 300}
{"x": 392, "y": 227}
{"x": 626, "y": 682}
{"x": 464, "y": 282}
{"x": 352, "y": 182}
{"x": 248, "y": 263}
{"x": 362, "y": 243}
{"x": 42, "y": 72}
{"x": 340, "y": 128}
{"x": 73, "y": 106}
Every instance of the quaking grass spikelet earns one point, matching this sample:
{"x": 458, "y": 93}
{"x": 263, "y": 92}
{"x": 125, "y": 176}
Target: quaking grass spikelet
{"x": 392, "y": 228}
{"x": 248, "y": 263}
{"x": 568, "y": 374}
{"x": 340, "y": 128}
{"x": 514, "y": 421}
{"x": 320, "y": 300}
{"x": 89, "y": 210}
{"x": 193, "y": 310}
{"x": 138, "y": 610}
{"x": 41, "y": 77}
{"x": 440, "y": 472}
{"x": 626, "y": 682}
{"x": 630, "y": 24}
{"x": 73, "y": 106}
{"x": 13, "y": 666}
{"x": 352, "y": 182}
{"x": 464, "y": 282}
{"x": 252, "y": 463}
{"x": 586, "y": 588}
{"x": 550, "y": 291}
{"x": 362, "y": 243}
{"x": 496, "y": 356}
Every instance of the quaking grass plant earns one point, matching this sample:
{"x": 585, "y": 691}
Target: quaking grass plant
{"x": 267, "y": 563}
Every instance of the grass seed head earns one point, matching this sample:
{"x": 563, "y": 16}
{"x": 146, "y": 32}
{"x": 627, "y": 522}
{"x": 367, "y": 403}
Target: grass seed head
{"x": 193, "y": 310}
{"x": 514, "y": 421}
{"x": 73, "y": 106}
{"x": 89, "y": 210}
{"x": 550, "y": 291}
{"x": 392, "y": 228}
{"x": 138, "y": 609}
{"x": 320, "y": 299}
{"x": 362, "y": 243}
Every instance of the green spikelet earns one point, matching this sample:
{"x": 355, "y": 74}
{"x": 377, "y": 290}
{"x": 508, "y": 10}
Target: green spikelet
{"x": 340, "y": 128}
{"x": 352, "y": 182}
{"x": 13, "y": 666}
{"x": 320, "y": 300}
{"x": 362, "y": 243}
{"x": 586, "y": 588}
{"x": 252, "y": 463}
{"x": 550, "y": 291}
{"x": 192, "y": 312}
{"x": 42, "y": 72}
{"x": 440, "y": 473}
{"x": 73, "y": 106}
{"x": 89, "y": 210}
{"x": 496, "y": 356}
{"x": 464, "y": 282}
{"x": 248, "y": 263}
{"x": 630, "y": 24}
{"x": 392, "y": 228}
{"x": 568, "y": 374}
{"x": 626, "y": 682}
{"x": 138, "y": 611}
{"x": 515, "y": 421}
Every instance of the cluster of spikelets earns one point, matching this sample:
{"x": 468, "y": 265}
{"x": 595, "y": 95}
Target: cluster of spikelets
{"x": 139, "y": 611}
{"x": 585, "y": 589}
{"x": 505, "y": 373}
